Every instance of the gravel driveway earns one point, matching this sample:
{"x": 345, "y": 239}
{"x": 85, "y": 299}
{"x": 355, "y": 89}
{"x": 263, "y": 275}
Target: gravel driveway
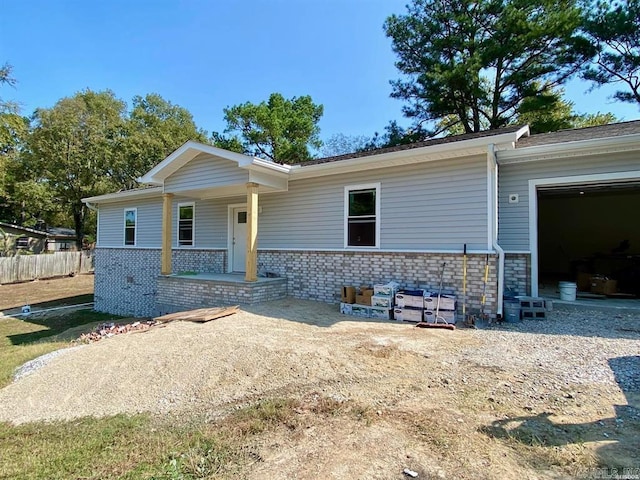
{"x": 298, "y": 346}
{"x": 561, "y": 393}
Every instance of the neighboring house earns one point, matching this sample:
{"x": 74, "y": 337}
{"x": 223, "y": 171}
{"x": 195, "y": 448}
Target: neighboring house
{"x": 391, "y": 214}
{"x": 14, "y": 238}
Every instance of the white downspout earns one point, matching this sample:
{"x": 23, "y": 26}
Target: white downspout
{"x": 491, "y": 156}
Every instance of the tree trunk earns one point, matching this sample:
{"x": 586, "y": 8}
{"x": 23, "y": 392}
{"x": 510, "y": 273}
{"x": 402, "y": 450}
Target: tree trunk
{"x": 79, "y": 211}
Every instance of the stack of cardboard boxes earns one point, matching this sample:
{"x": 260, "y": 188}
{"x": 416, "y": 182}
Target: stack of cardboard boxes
{"x": 421, "y": 305}
{"x": 387, "y": 302}
{"x": 376, "y": 302}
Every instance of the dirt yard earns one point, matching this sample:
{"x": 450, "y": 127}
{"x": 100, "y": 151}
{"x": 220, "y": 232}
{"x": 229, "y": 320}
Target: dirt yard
{"x": 539, "y": 399}
{"x": 46, "y": 293}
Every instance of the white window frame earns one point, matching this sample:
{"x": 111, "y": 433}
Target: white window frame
{"x": 135, "y": 228}
{"x": 193, "y": 225}
{"x": 365, "y": 186}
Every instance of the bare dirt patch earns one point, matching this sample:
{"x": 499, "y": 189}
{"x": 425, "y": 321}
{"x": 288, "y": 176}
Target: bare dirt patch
{"x": 46, "y": 293}
{"x": 535, "y": 400}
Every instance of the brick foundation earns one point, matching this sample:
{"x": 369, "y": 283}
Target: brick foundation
{"x": 183, "y": 293}
{"x": 517, "y": 272}
{"x": 318, "y": 275}
{"x": 127, "y": 280}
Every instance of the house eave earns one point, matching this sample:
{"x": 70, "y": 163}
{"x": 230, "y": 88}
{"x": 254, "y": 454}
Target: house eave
{"x": 191, "y": 149}
{"x": 578, "y": 148}
{"x": 124, "y": 195}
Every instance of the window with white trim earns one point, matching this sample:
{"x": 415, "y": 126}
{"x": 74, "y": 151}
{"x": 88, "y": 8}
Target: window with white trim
{"x": 130, "y": 222}
{"x": 362, "y": 215}
{"x": 186, "y": 224}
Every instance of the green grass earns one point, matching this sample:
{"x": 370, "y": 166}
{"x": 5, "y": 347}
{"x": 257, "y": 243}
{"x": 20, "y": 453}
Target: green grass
{"x": 24, "y": 340}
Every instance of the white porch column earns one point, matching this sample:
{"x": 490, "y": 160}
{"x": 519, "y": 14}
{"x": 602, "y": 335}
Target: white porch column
{"x": 167, "y": 203}
{"x": 251, "y": 271}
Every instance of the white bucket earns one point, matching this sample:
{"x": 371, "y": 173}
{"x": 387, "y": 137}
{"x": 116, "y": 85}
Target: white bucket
{"x": 568, "y": 291}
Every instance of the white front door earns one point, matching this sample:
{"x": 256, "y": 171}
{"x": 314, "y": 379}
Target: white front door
{"x": 239, "y": 247}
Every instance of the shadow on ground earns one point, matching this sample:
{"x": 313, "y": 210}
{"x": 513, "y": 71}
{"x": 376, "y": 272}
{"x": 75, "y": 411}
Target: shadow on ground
{"x": 59, "y": 302}
{"x": 57, "y": 324}
{"x": 617, "y": 437}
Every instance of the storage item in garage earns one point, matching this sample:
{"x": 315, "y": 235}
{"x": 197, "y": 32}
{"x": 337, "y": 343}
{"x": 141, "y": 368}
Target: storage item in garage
{"x": 408, "y": 314}
{"x": 447, "y": 302}
{"x": 447, "y": 315}
{"x": 380, "y": 313}
{"x": 603, "y": 285}
{"x": 583, "y": 280}
{"x": 410, "y": 298}
{"x": 348, "y": 294}
{"x": 385, "y": 301}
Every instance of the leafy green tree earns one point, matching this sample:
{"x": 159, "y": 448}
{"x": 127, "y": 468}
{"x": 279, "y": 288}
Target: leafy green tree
{"x": 549, "y": 112}
{"x": 280, "y": 130}
{"x": 341, "y": 144}
{"x": 13, "y": 127}
{"x": 155, "y": 128}
{"x": 614, "y": 31}
{"x": 474, "y": 62}
{"x": 74, "y": 149}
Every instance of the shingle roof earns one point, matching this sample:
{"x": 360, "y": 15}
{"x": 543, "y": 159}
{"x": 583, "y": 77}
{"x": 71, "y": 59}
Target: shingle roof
{"x": 576, "y": 134}
{"x": 426, "y": 143}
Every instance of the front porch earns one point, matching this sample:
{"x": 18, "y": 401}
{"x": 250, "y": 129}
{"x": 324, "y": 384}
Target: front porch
{"x": 189, "y": 291}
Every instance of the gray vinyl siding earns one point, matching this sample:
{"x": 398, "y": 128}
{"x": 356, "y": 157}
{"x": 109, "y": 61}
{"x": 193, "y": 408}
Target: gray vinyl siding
{"x": 205, "y": 171}
{"x": 513, "y": 219}
{"x": 438, "y": 205}
{"x": 211, "y": 222}
{"x": 432, "y": 206}
{"x": 149, "y": 223}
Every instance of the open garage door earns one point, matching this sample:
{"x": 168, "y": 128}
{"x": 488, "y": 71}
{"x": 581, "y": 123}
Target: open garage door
{"x": 587, "y": 230}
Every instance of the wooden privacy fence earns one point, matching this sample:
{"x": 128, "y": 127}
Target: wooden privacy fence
{"x": 23, "y": 268}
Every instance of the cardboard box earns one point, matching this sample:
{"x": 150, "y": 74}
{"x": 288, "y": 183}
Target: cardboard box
{"x": 583, "y": 281}
{"x": 603, "y": 285}
{"x": 410, "y": 298}
{"x": 363, "y": 299}
{"x": 345, "y": 308}
{"x": 407, "y": 314}
{"x": 348, "y": 294}
{"x": 385, "y": 301}
{"x": 380, "y": 312}
{"x": 389, "y": 289}
{"x": 360, "y": 311}
{"x": 449, "y": 316}
{"x": 447, "y": 302}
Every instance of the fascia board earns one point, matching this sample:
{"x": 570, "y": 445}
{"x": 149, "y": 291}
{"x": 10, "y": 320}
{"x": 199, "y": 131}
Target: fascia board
{"x": 593, "y": 146}
{"x": 123, "y": 196}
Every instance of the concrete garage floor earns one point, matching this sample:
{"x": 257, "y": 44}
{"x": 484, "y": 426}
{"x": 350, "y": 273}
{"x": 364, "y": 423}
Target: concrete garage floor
{"x": 551, "y": 292}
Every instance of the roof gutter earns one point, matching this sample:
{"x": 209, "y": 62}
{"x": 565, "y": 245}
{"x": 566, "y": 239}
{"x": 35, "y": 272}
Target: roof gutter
{"x": 493, "y": 175}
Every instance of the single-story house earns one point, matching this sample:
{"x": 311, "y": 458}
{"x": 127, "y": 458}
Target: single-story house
{"x": 542, "y": 207}
{"x": 15, "y": 238}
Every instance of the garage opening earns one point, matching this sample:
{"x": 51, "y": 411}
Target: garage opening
{"x": 588, "y": 232}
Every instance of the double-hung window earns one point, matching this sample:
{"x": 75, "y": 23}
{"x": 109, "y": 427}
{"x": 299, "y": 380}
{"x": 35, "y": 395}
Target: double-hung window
{"x": 362, "y": 215}
{"x": 186, "y": 230}
{"x": 130, "y": 223}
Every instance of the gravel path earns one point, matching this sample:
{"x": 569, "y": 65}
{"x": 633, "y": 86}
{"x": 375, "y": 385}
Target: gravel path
{"x": 296, "y": 347}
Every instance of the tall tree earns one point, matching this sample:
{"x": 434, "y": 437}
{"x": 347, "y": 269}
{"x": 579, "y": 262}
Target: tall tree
{"x": 476, "y": 61}
{"x": 549, "y": 112}
{"x": 75, "y": 147}
{"x": 156, "y": 127}
{"x": 614, "y": 31}
{"x": 281, "y": 130}
{"x": 12, "y": 127}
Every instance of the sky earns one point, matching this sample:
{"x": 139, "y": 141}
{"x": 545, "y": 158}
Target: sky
{"x": 207, "y": 55}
